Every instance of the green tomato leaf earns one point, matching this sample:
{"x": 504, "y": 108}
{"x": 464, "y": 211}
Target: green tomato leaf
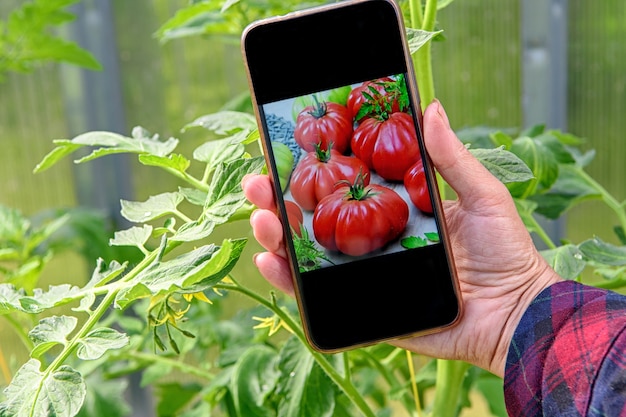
{"x": 49, "y": 332}
{"x": 135, "y": 236}
{"x": 225, "y": 193}
{"x": 216, "y": 152}
{"x": 225, "y": 122}
{"x": 10, "y": 298}
{"x": 105, "y": 397}
{"x": 541, "y": 161}
{"x": 417, "y": 38}
{"x": 596, "y": 250}
{"x": 176, "y": 162}
{"x": 504, "y": 165}
{"x": 192, "y": 271}
{"x": 253, "y": 379}
{"x": 33, "y": 393}
{"x": 303, "y": 388}
{"x": 193, "y": 195}
{"x": 103, "y": 273}
{"x": 98, "y": 341}
{"x": 154, "y": 207}
{"x": 107, "y": 143}
{"x": 571, "y": 187}
{"x": 566, "y": 260}
{"x": 55, "y": 296}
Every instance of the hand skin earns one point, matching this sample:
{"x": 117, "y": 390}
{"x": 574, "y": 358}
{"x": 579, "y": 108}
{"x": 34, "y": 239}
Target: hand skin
{"x": 500, "y": 271}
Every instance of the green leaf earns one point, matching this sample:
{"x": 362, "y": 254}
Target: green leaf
{"x": 225, "y": 122}
{"x": 154, "y": 207}
{"x": 42, "y": 300}
{"x": 176, "y": 162}
{"x": 192, "y": 271}
{"x": 193, "y": 195}
{"x": 225, "y": 194}
{"x": 197, "y": 19}
{"x": 135, "y": 236}
{"x": 216, "y": 152}
{"x": 51, "y": 331}
{"x": 174, "y": 398}
{"x": 566, "y": 260}
{"x": 102, "y": 273}
{"x": 413, "y": 242}
{"x": 10, "y": 298}
{"x": 98, "y": 341}
{"x": 571, "y": 187}
{"x": 105, "y": 397}
{"x": 33, "y": 393}
{"x": 417, "y": 38}
{"x": 541, "y": 161}
{"x": 13, "y": 225}
{"x": 596, "y": 250}
{"x": 504, "y": 165}
{"x": 107, "y": 143}
{"x": 253, "y": 379}
{"x": 224, "y": 198}
{"x": 303, "y": 388}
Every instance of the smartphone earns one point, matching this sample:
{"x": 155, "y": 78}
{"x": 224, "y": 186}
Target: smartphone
{"x": 339, "y": 115}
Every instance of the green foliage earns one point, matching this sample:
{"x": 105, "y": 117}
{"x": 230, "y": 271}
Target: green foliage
{"x": 27, "y": 38}
{"x": 161, "y": 313}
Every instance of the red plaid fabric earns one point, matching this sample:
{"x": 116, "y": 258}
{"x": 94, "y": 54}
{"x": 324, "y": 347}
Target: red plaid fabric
{"x": 568, "y": 354}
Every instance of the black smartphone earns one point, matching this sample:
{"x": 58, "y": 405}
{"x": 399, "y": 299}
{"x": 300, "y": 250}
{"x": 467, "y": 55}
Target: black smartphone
{"x": 339, "y": 116}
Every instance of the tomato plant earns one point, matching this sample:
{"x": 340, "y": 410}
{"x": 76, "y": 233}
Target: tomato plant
{"x": 318, "y": 173}
{"x": 324, "y": 123}
{"x": 387, "y": 145}
{"x": 357, "y": 219}
{"x": 416, "y": 186}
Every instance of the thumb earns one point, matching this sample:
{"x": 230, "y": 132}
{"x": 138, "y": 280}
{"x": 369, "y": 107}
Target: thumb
{"x": 461, "y": 170}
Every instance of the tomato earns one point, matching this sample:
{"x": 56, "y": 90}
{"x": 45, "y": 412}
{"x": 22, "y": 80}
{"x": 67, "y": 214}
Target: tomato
{"x": 318, "y": 173}
{"x": 322, "y": 124}
{"x": 284, "y": 162}
{"x": 387, "y": 146}
{"x": 356, "y": 98}
{"x": 295, "y": 216}
{"x": 359, "y": 219}
{"x": 416, "y": 186}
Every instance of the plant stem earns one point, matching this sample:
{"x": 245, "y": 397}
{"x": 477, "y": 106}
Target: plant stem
{"x": 423, "y": 57}
{"x": 608, "y": 199}
{"x": 181, "y": 366}
{"x": 344, "y": 384}
{"x": 450, "y": 376}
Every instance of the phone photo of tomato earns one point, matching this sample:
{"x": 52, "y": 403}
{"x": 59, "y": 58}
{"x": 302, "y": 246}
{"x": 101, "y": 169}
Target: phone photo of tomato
{"x": 339, "y": 116}
{"x": 353, "y": 154}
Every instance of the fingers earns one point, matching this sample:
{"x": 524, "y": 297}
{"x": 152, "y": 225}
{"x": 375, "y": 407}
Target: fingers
{"x": 268, "y": 231}
{"x": 258, "y": 190}
{"x": 464, "y": 173}
{"x": 275, "y": 270}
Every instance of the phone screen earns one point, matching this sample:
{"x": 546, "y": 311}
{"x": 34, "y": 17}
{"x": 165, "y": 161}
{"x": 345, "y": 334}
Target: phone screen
{"x": 363, "y": 224}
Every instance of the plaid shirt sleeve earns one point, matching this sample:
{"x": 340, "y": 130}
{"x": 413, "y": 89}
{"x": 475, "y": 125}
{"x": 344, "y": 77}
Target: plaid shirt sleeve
{"x": 568, "y": 354}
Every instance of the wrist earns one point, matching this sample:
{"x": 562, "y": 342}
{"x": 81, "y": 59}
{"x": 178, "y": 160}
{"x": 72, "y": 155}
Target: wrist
{"x": 541, "y": 277}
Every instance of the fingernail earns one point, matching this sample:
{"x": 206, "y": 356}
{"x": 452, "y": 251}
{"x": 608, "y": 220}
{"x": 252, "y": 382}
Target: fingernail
{"x": 256, "y": 255}
{"x": 441, "y": 112}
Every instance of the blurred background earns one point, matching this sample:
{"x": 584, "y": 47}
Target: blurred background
{"x": 505, "y": 64}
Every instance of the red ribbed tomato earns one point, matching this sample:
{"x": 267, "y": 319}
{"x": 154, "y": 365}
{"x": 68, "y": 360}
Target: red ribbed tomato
{"x": 318, "y": 173}
{"x": 387, "y": 145}
{"x": 324, "y": 123}
{"x": 359, "y": 219}
{"x": 416, "y": 186}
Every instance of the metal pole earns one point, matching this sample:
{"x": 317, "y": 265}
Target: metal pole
{"x": 544, "y": 74}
